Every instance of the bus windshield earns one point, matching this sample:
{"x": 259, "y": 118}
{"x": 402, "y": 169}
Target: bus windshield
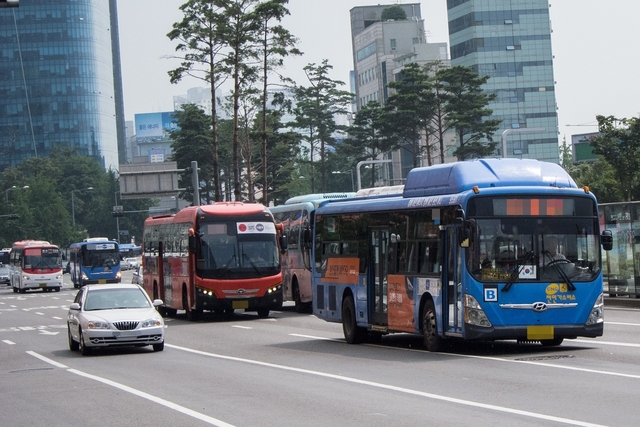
{"x": 100, "y": 258}
{"x": 47, "y": 258}
{"x": 226, "y": 254}
{"x": 542, "y": 249}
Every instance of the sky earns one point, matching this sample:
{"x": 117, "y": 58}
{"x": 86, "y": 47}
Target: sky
{"x": 593, "y": 42}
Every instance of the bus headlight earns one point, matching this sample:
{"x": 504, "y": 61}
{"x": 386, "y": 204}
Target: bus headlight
{"x": 597, "y": 312}
{"x": 274, "y": 289}
{"x": 119, "y": 275}
{"x": 84, "y": 276}
{"x": 473, "y": 313}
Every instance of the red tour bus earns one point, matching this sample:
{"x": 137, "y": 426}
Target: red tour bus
{"x": 218, "y": 257}
{"x": 36, "y": 264}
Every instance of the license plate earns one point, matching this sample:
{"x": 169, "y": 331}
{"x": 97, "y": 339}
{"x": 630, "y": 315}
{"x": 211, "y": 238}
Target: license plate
{"x": 102, "y": 281}
{"x": 240, "y": 304}
{"x": 125, "y": 334}
{"x": 535, "y": 333}
{"x": 43, "y": 285}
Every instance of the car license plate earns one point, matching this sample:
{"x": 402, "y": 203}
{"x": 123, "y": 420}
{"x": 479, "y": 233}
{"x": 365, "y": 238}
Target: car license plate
{"x": 125, "y": 334}
{"x": 102, "y": 281}
{"x": 240, "y": 304}
{"x": 42, "y": 285}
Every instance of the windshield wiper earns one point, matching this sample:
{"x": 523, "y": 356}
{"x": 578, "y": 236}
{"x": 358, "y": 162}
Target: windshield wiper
{"x": 255, "y": 267}
{"x": 559, "y": 270}
{"x": 517, "y": 270}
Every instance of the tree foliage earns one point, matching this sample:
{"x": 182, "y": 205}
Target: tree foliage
{"x": 394, "y": 12}
{"x": 466, "y": 111}
{"x": 619, "y": 144}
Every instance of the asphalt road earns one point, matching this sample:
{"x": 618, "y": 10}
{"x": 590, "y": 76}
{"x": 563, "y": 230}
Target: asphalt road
{"x": 296, "y": 370}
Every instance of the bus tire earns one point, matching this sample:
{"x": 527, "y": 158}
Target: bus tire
{"x": 263, "y": 312}
{"x": 353, "y": 334}
{"x": 192, "y": 315}
{"x": 296, "y": 297}
{"x": 432, "y": 341}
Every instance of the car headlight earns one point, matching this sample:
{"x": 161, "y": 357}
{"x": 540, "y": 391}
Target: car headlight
{"x": 150, "y": 323}
{"x": 98, "y": 324}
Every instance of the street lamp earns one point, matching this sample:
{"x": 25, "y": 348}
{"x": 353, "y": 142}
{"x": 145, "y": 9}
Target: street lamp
{"x": 73, "y": 207}
{"x": 6, "y": 192}
{"x": 353, "y": 187}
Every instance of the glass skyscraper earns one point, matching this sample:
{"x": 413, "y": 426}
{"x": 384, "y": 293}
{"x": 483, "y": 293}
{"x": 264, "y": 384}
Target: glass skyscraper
{"x": 510, "y": 41}
{"x": 60, "y": 81}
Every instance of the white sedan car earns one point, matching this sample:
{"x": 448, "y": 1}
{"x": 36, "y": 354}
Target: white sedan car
{"x": 114, "y": 315}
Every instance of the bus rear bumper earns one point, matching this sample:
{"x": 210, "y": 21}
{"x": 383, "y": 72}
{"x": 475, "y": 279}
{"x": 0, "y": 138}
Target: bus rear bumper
{"x": 520, "y": 332}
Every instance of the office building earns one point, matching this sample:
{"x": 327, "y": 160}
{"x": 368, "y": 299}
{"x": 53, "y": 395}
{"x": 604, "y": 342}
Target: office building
{"x": 380, "y": 50}
{"x": 510, "y": 41}
{"x": 61, "y": 81}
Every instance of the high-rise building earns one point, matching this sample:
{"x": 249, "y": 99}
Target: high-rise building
{"x": 381, "y": 48}
{"x": 510, "y": 41}
{"x": 60, "y": 81}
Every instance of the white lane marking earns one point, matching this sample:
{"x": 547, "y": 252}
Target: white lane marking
{"x": 619, "y": 344}
{"x": 526, "y": 362}
{"x": 622, "y": 323}
{"x": 241, "y": 327}
{"x": 46, "y": 359}
{"x": 38, "y": 313}
{"x": 315, "y": 338}
{"x": 56, "y": 317}
{"x": 8, "y": 342}
{"x": 197, "y": 415}
{"x": 393, "y": 388}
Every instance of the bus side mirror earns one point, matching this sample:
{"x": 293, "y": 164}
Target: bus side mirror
{"x": 283, "y": 244}
{"x": 607, "y": 240}
{"x": 306, "y": 238}
{"x": 192, "y": 244}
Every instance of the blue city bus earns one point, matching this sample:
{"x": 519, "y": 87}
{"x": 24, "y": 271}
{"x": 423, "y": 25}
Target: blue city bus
{"x": 94, "y": 260}
{"x": 464, "y": 253}
{"x": 296, "y": 217}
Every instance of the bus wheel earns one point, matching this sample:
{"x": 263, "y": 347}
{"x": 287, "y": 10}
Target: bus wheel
{"x": 263, "y": 312}
{"x": 432, "y": 341}
{"x": 15, "y": 290}
{"x": 552, "y": 342}
{"x": 23, "y": 291}
{"x": 353, "y": 334}
{"x": 296, "y": 298}
{"x": 192, "y": 315}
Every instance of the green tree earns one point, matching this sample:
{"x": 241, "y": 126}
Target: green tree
{"x": 466, "y": 111}
{"x": 601, "y": 179}
{"x": 192, "y": 140}
{"x": 201, "y": 47}
{"x": 394, "y": 12}
{"x": 619, "y": 144}
{"x": 316, "y": 109}
{"x": 566, "y": 156}
{"x": 276, "y": 43}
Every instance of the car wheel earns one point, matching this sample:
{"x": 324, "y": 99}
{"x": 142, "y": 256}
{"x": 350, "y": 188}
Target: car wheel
{"x": 158, "y": 347}
{"x": 81, "y": 345}
{"x": 73, "y": 344}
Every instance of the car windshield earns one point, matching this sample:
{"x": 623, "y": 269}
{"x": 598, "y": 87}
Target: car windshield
{"x": 110, "y": 299}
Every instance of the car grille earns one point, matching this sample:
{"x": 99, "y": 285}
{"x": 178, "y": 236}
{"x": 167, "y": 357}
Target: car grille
{"x": 126, "y": 326}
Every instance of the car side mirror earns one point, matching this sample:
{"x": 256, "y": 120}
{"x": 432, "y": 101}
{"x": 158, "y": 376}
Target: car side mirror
{"x": 74, "y": 306}
{"x": 157, "y": 302}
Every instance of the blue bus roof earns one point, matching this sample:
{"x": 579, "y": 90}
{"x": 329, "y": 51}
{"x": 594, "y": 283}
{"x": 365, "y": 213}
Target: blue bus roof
{"x": 452, "y": 178}
{"x": 318, "y": 197}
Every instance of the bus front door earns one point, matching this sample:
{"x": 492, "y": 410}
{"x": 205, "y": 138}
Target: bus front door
{"x": 377, "y": 275}
{"x": 451, "y": 283}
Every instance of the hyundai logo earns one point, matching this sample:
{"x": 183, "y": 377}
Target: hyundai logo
{"x": 241, "y": 291}
{"x": 539, "y": 306}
